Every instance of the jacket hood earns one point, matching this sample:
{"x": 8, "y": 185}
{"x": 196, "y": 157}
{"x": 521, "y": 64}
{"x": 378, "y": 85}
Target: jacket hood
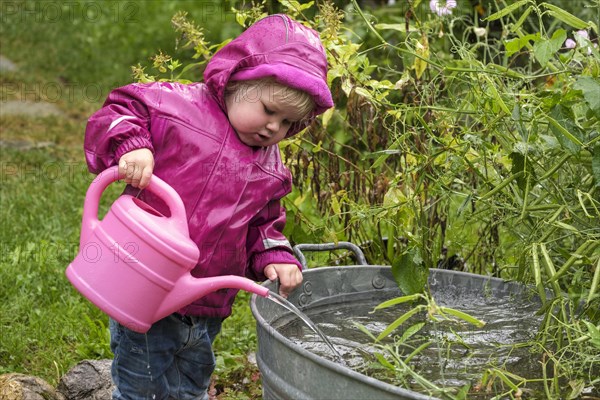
{"x": 277, "y": 47}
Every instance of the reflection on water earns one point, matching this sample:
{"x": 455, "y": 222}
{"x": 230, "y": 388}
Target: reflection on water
{"x": 458, "y": 353}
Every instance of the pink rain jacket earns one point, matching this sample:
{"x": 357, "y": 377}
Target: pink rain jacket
{"x": 231, "y": 191}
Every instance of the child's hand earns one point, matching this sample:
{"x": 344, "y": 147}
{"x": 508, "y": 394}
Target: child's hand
{"x": 289, "y": 276}
{"x": 136, "y": 167}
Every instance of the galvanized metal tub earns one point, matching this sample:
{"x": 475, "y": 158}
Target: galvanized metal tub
{"x": 291, "y": 372}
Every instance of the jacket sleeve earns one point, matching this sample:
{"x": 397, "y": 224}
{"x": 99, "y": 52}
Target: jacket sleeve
{"x": 266, "y": 243}
{"x": 120, "y": 126}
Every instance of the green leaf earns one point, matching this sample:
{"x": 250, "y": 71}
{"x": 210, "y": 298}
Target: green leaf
{"x": 417, "y": 351}
{"x": 241, "y": 19}
{"x": 463, "y": 392}
{"x": 409, "y": 273}
{"x": 505, "y": 379}
{"x": 594, "y": 285}
{"x": 380, "y": 160}
{"x": 422, "y": 50}
{"x": 577, "y": 387}
{"x": 501, "y": 185}
{"x": 364, "y": 93}
{"x": 399, "y": 321}
{"x": 335, "y": 204}
{"x": 562, "y": 125}
{"x": 384, "y": 362}
{"x": 411, "y": 331}
{"x": 364, "y": 330}
{"x": 398, "y": 300}
{"x": 294, "y": 7}
{"x": 566, "y": 227}
{"x": 596, "y": 163}
{"x": 544, "y": 49}
{"x": 507, "y": 10}
{"x": 591, "y": 92}
{"x": 514, "y": 45}
{"x": 190, "y": 66}
{"x": 491, "y": 89}
{"x": 524, "y": 16}
{"x": 564, "y": 16}
{"x": 521, "y": 163}
{"x": 394, "y": 27}
{"x": 594, "y": 333}
{"x": 464, "y": 316}
{"x": 327, "y": 116}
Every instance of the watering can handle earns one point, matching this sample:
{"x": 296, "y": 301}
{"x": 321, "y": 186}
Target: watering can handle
{"x": 156, "y": 186}
{"x": 360, "y": 257}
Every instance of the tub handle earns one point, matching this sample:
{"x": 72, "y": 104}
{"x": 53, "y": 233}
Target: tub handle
{"x": 360, "y": 257}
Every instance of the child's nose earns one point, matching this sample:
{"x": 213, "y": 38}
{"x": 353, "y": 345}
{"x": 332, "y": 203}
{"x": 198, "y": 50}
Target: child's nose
{"x": 273, "y": 125}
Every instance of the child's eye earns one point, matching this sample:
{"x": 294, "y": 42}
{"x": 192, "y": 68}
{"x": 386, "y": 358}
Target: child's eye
{"x": 268, "y": 111}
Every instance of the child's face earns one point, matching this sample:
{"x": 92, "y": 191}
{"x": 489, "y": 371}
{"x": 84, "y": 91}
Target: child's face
{"x": 258, "y": 118}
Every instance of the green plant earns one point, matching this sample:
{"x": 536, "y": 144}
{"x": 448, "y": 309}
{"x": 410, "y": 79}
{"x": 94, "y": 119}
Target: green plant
{"x": 96, "y": 345}
{"x": 394, "y": 358}
{"x": 468, "y": 141}
{"x": 46, "y": 324}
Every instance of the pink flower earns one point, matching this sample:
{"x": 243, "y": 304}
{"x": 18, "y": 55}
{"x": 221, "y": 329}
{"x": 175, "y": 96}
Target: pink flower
{"x": 442, "y": 10}
{"x": 581, "y": 37}
{"x": 583, "y": 33}
{"x": 570, "y": 43}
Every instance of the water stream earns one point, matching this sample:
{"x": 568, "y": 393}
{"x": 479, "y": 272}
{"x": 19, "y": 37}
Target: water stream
{"x": 307, "y": 321}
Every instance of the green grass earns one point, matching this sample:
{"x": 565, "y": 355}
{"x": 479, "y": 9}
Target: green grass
{"x": 89, "y": 46}
{"x": 43, "y": 319}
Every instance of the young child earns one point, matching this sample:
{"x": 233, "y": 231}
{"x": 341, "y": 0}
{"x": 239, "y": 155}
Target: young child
{"x": 215, "y": 143}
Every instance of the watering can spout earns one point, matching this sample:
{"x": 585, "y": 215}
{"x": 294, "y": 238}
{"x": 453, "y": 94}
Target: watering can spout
{"x": 188, "y": 289}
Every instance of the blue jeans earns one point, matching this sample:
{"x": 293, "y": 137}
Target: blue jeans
{"x": 174, "y": 359}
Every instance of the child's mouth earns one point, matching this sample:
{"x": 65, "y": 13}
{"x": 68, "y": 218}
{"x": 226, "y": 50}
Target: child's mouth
{"x": 262, "y": 136}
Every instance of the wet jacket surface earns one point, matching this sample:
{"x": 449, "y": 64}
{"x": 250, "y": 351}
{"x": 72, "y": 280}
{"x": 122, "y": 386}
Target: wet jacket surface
{"x": 231, "y": 191}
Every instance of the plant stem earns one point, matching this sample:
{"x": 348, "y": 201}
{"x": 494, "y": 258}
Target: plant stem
{"x": 386, "y": 43}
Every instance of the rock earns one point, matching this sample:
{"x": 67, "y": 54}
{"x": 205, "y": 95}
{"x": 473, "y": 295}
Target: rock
{"x": 252, "y": 358}
{"x": 15, "y": 386}
{"x": 89, "y": 380}
{"x": 22, "y": 145}
{"x": 6, "y": 65}
{"x": 28, "y": 108}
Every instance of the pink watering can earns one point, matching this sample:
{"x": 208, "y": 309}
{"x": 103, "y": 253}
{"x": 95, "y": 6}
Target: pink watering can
{"x": 135, "y": 263}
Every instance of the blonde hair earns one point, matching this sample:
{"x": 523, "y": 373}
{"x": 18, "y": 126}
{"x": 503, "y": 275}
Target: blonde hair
{"x": 284, "y": 95}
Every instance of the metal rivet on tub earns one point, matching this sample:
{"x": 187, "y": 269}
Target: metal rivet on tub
{"x": 307, "y": 288}
{"x": 378, "y": 282}
{"x": 302, "y": 299}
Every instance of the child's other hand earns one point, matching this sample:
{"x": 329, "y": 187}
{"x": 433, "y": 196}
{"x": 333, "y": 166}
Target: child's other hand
{"x": 136, "y": 167}
{"x": 289, "y": 276}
